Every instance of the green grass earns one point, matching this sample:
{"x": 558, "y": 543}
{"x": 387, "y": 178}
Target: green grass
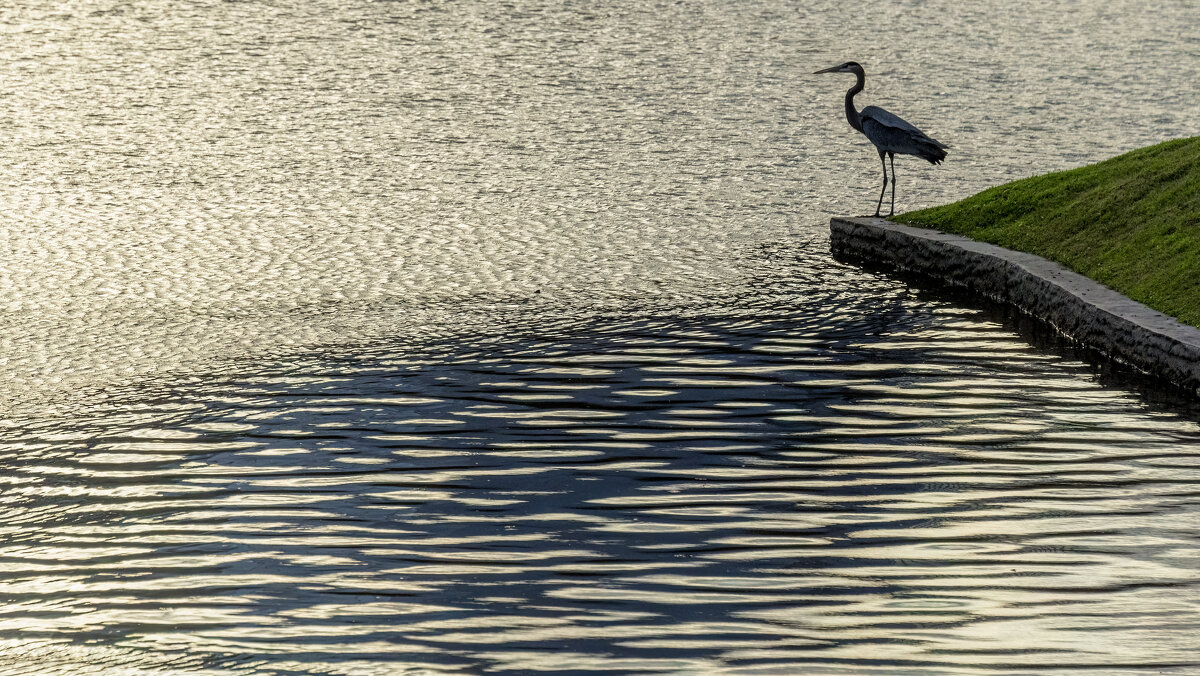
{"x": 1131, "y": 223}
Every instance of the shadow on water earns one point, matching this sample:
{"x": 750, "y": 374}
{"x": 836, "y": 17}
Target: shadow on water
{"x": 883, "y": 478}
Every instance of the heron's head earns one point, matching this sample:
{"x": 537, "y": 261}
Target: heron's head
{"x": 848, "y": 67}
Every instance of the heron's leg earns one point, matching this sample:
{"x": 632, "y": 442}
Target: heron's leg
{"x": 884, "y": 188}
{"x": 892, "y": 160}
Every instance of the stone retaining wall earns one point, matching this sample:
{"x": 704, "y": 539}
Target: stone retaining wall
{"x": 1073, "y": 304}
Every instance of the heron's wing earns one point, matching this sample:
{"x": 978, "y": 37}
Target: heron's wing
{"x": 891, "y": 123}
{"x": 890, "y": 134}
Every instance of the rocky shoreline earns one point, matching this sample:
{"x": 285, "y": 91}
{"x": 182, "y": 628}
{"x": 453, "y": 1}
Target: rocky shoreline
{"x": 1077, "y": 306}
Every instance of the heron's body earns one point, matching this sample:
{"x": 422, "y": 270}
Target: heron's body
{"x": 889, "y": 133}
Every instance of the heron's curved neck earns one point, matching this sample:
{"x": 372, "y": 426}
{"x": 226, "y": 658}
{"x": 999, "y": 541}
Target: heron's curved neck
{"x": 852, "y": 115}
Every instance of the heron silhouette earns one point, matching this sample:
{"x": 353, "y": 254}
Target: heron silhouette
{"x": 887, "y": 131}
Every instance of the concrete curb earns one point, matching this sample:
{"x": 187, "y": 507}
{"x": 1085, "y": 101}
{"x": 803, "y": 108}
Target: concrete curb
{"x": 1078, "y": 307}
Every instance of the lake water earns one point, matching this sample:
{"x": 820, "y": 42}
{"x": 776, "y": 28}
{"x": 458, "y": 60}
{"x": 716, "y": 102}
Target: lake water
{"x": 401, "y": 337}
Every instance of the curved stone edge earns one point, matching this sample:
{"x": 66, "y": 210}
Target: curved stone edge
{"x": 1078, "y": 307}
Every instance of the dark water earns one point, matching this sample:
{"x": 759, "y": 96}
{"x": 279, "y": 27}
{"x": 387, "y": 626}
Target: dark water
{"x": 398, "y": 338}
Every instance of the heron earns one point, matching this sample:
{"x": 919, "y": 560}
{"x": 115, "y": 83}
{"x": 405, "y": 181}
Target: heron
{"x": 888, "y": 132}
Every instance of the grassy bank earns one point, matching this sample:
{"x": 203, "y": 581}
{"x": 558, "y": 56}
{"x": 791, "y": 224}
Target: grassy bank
{"x": 1131, "y": 223}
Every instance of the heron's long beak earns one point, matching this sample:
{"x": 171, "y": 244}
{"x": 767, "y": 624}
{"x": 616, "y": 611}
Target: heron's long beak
{"x": 827, "y": 70}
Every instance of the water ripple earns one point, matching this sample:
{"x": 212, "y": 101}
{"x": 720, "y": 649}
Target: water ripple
{"x": 401, "y": 338}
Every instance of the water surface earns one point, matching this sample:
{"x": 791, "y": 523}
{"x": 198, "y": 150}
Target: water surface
{"x": 396, "y": 338}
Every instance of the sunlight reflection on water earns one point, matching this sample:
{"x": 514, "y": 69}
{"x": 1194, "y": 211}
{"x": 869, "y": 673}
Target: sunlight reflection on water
{"x": 398, "y": 338}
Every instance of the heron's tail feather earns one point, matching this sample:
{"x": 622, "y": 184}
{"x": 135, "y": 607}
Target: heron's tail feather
{"x": 931, "y": 150}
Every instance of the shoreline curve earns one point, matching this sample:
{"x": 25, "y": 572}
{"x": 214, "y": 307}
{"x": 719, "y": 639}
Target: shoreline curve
{"x": 1076, "y": 306}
